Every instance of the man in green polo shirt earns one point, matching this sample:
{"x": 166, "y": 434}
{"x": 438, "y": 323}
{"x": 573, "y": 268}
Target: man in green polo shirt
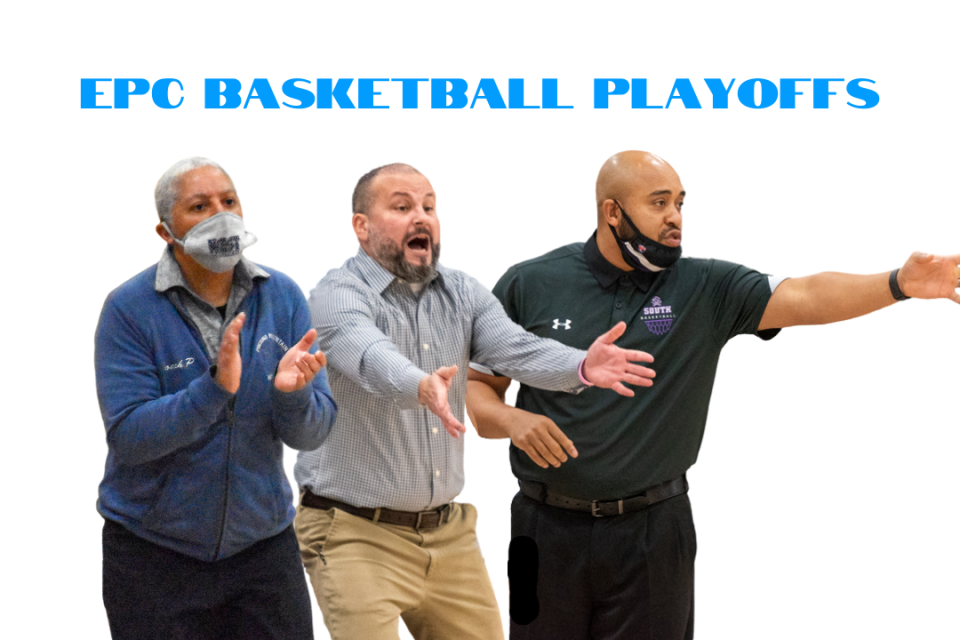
{"x": 614, "y": 532}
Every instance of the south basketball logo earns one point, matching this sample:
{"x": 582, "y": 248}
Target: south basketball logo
{"x": 658, "y": 317}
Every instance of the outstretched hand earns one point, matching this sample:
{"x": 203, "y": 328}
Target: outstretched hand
{"x": 925, "y": 275}
{"x": 432, "y": 394}
{"x": 298, "y": 366}
{"x": 608, "y": 366}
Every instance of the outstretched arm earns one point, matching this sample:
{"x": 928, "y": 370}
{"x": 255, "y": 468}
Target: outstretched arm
{"x": 344, "y": 316}
{"x": 500, "y": 343}
{"x": 343, "y": 313}
{"x": 831, "y": 297}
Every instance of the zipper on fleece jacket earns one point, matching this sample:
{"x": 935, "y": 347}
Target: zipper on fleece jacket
{"x": 226, "y": 477}
{"x": 226, "y": 467}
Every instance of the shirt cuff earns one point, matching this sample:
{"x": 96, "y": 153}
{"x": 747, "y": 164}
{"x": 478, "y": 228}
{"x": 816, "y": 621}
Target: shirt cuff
{"x": 583, "y": 378}
{"x": 409, "y": 392}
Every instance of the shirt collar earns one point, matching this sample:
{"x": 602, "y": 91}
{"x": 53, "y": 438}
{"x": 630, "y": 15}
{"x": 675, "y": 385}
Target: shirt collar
{"x": 169, "y": 274}
{"x": 379, "y": 278}
{"x": 607, "y": 274}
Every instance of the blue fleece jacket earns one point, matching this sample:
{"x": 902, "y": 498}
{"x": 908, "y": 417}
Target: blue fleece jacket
{"x": 190, "y": 466}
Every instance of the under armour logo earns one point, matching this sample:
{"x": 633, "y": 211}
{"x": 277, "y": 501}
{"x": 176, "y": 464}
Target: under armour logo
{"x": 557, "y": 324}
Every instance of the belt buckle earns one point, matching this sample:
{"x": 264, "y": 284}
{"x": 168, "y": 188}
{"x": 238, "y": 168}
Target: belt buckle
{"x": 595, "y": 509}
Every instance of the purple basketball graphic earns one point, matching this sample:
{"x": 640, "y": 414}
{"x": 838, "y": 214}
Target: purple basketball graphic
{"x": 660, "y": 326}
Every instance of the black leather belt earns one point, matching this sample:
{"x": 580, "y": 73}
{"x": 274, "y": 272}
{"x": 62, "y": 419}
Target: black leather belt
{"x": 601, "y": 508}
{"x": 416, "y": 519}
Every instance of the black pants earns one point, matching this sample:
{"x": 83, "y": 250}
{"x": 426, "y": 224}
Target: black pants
{"x": 620, "y": 577}
{"x": 152, "y": 592}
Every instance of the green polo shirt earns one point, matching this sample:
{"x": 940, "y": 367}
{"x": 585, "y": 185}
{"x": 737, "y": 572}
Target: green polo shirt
{"x": 682, "y": 316}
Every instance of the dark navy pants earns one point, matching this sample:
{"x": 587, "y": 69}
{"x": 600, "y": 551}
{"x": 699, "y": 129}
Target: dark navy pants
{"x": 152, "y": 592}
{"x": 620, "y": 577}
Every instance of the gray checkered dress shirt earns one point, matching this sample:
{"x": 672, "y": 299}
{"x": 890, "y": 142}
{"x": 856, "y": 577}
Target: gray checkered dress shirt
{"x": 381, "y": 339}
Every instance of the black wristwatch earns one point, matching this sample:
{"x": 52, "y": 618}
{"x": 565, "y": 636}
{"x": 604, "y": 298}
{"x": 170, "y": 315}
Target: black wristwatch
{"x": 895, "y": 288}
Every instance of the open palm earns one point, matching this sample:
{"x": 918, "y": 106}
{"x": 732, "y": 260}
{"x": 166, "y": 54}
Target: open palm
{"x": 925, "y": 275}
{"x": 298, "y": 366}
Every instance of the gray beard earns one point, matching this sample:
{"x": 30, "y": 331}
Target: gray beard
{"x": 390, "y": 256}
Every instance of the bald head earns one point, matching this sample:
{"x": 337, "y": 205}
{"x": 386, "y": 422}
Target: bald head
{"x": 630, "y": 174}
{"x": 364, "y": 194}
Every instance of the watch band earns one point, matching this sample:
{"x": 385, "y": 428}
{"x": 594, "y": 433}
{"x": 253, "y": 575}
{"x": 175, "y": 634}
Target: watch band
{"x": 895, "y": 288}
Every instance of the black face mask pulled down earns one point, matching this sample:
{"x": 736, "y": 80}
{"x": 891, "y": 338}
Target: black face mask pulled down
{"x": 642, "y": 252}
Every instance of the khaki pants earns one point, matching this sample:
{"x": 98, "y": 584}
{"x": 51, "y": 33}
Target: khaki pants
{"x": 366, "y": 575}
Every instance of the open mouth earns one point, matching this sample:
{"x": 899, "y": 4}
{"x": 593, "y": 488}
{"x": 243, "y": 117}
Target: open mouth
{"x": 419, "y": 243}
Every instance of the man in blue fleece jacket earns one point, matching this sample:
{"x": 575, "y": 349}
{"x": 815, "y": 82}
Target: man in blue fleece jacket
{"x": 204, "y": 370}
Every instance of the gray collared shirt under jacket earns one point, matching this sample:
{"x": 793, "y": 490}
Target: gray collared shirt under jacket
{"x": 209, "y": 322}
{"x": 381, "y": 338}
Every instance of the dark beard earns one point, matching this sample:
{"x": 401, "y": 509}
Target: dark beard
{"x": 390, "y": 256}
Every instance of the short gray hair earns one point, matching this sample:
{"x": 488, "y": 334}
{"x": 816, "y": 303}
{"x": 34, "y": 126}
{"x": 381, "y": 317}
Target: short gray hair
{"x": 168, "y": 187}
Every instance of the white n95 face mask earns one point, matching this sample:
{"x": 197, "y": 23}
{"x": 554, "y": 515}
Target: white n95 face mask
{"x": 217, "y": 242}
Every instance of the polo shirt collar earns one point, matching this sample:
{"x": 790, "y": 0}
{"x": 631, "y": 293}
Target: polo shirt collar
{"x": 379, "y": 278}
{"x": 169, "y": 274}
{"x": 608, "y": 274}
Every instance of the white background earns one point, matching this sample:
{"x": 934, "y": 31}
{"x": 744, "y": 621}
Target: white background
{"x": 824, "y": 497}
